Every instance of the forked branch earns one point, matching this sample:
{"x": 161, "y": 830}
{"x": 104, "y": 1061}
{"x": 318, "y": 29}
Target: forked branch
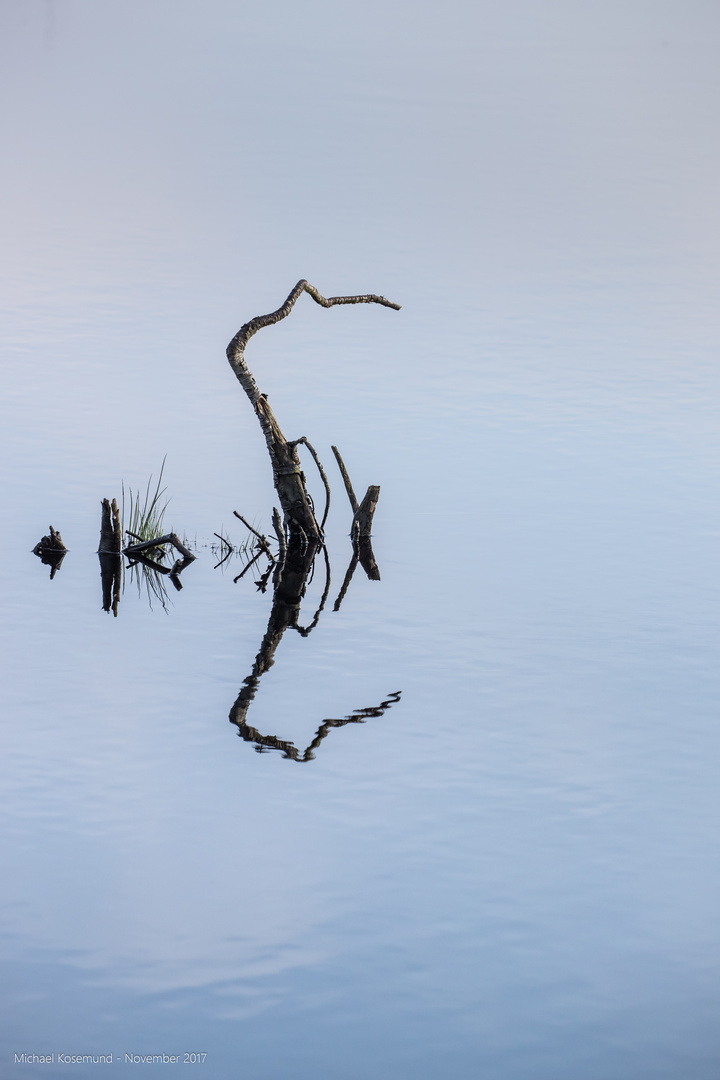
{"x": 287, "y": 475}
{"x": 246, "y": 332}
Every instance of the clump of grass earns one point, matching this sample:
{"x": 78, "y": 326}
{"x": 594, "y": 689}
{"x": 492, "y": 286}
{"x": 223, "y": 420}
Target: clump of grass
{"x": 146, "y": 514}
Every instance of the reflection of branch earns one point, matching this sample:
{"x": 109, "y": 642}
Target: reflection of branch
{"x": 290, "y": 751}
{"x": 348, "y": 578}
{"x": 292, "y": 571}
{"x": 247, "y": 567}
{"x": 291, "y": 575}
{"x": 305, "y": 630}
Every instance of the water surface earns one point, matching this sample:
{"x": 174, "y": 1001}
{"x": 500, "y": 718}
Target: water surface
{"x": 512, "y": 871}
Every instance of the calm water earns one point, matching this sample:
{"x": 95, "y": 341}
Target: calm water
{"x": 512, "y": 873}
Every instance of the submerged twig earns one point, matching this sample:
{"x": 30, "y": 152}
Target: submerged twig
{"x": 245, "y": 569}
{"x": 263, "y": 539}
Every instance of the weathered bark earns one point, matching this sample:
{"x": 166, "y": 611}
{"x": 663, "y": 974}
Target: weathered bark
{"x": 287, "y": 475}
{"x": 52, "y": 543}
{"x": 110, "y": 532}
{"x": 352, "y": 566}
{"x": 362, "y": 521}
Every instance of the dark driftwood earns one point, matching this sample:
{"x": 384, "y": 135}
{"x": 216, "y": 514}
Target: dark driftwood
{"x": 362, "y": 520}
{"x": 51, "y": 551}
{"x": 110, "y": 533}
{"x": 287, "y": 474}
{"x": 53, "y": 542}
{"x": 169, "y": 538}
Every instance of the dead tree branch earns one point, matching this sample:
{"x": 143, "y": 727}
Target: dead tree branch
{"x": 169, "y": 538}
{"x": 346, "y": 479}
{"x": 323, "y": 477}
{"x": 263, "y": 539}
{"x": 287, "y": 474}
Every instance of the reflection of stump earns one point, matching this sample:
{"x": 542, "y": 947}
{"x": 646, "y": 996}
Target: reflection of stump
{"x": 51, "y": 551}
{"x": 111, "y": 580}
{"x": 109, "y": 555}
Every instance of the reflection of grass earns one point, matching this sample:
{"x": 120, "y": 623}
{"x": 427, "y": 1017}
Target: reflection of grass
{"x": 145, "y": 517}
{"x": 153, "y": 581}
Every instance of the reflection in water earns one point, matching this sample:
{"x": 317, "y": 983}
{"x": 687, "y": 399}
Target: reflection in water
{"x": 264, "y": 743}
{"x": 153, "y": 573}
{"x": 299, "y": 535}
{"x": 109, "y": 555}
{"x": 293, "y": 569}
{"x": 111, "y": 580}
{"x": 147, "y": 572}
